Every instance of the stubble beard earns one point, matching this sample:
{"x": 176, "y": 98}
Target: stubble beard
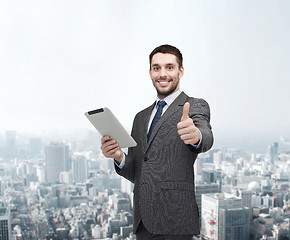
{"x": 172, "y": 89}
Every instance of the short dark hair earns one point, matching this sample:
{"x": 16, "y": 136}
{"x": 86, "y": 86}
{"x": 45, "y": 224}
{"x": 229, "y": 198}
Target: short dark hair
{"x": 167, "y": 49}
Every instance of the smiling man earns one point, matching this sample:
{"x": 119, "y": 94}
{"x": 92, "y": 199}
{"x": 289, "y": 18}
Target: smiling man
{"x": 169, "y": 134}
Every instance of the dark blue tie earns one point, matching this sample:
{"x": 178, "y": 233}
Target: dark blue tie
{"x": 157, "y": 116}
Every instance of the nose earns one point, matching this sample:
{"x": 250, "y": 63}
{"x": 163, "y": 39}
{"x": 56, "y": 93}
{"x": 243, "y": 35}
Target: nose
{"x": 163, "y": 73}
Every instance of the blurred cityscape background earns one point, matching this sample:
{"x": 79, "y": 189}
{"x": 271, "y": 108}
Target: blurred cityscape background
{"x": 59, "y": 186}
{"x": 60, "y": 58}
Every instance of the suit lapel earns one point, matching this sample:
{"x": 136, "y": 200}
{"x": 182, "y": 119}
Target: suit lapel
{"x": 147, "y": 114}
{"x": 176, "y": 105}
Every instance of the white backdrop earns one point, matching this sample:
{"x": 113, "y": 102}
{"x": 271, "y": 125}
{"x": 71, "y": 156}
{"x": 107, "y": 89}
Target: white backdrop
{"x": 60, "y": 58}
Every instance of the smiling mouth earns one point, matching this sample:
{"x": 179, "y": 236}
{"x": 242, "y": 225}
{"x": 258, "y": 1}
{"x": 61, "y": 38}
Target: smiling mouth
{"x": 164, "y": 83}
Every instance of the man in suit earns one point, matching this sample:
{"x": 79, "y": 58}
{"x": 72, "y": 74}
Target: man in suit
{"x": 169, "y": 134}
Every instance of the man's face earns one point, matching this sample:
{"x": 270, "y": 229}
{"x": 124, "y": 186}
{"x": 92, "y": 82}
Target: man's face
{"x": 165, "y": 74}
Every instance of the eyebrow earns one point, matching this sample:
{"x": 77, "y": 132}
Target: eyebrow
{"x": 167, "y": 64}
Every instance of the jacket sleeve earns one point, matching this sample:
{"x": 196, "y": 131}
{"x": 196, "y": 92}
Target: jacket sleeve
{"x": 200, "y": 114}
{"x": 128, "y": 170}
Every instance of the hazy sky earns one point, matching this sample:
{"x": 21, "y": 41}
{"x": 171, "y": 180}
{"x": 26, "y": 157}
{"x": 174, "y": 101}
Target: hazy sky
{"x": 60, "y": 58}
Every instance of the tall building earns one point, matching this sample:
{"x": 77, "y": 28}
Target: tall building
{"x": 218, "y": 157}
{"x": 5, "y": 224}
{"x": 35, "y": 147}
{"x": 79, "y": 168}
{"x": 224, "y": 217}
{"x": 204, "y": 189}
{"x": 234, "y": 223}
{"x": 57, "y": 160}
{"x": 40, "y": 172}
{"x": 42, "y": 228}
{"x": 126, "y": 186}
{"x": 273, "y": 151}
{"x": 245, "y": 195}
{"x": 11, "y": 148}
{"x": 29, "y": 168}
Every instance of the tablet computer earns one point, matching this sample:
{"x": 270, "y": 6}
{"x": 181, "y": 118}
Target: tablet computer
{"x": 108, "y": 125}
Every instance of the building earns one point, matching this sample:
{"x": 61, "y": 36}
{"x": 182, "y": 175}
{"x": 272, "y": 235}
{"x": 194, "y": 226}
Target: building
{"x": 96, "y": 231}
{"x": 224, "y": 217}
{"x": 122, "y": 204}
{"x": 5, "y": 224}
{"x": 126, "y": 186}
{"x": 212, "y": 176}
{"x": 11, "y": 148}
{"x": 115, "y": 225}
{"x": 218, "y": 157}
{"x": 79, "y": 168}
{"x": 204, "y": 189}
{"x": 40, "y": 172}
{"x": 35, "y": 147}
{"x": 234, "y": 223}
{"x": 126, "y": 230}
{"x": 273, "y": 151}
{"x": 245, "y": 195}
{"x": 65, "y": 177}
{"x": 57, "y": 160}
{"x": 42, "y": 228}
{"x": 262, "y": 225}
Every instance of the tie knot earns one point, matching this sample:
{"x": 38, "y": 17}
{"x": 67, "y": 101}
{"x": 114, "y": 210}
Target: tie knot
{"x": 161, "y": 104}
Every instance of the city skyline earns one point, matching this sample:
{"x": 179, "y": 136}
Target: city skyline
{"x": 258, "y": 146}
{"x": 59, "y": 60}
{"x": 240, "y": 194}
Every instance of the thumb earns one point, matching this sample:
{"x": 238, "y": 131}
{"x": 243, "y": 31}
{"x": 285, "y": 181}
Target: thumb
{"x": 185, "y": 115}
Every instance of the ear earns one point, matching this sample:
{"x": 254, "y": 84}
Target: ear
{"x": 181, "y": 71}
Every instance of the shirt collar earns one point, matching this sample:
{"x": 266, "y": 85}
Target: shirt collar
{"x": 170, "y": 98}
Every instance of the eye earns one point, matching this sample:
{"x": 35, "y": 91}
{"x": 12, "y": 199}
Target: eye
{"x": 156, "y": 68}
{"x": 170, "y": 67}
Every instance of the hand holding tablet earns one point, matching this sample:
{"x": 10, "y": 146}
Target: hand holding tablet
{"x": 108, "y": 125}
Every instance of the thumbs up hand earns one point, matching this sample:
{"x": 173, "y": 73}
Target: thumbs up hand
{"x": 187, "y": 131}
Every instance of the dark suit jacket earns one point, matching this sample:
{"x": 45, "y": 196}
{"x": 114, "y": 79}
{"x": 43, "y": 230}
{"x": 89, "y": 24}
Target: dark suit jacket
{"x": 162, "y": 169}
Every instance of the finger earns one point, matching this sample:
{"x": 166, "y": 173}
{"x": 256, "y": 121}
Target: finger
{"x": 189, "y": 139}
{"x": 111, "y": 146}
{"x": 113, "y": 150}
{"x": 109, "y": 150}
{"x": 106, "y": 144}
{"x": 184, "y": 124}
{"x": 185, "y": 111}
{"x": 186, "y": 136}
{"x": 105, "y": 139}
{"x": 182, "y": 131}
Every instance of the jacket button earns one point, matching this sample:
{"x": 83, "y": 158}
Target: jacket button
{"x": 145, "y": 159}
